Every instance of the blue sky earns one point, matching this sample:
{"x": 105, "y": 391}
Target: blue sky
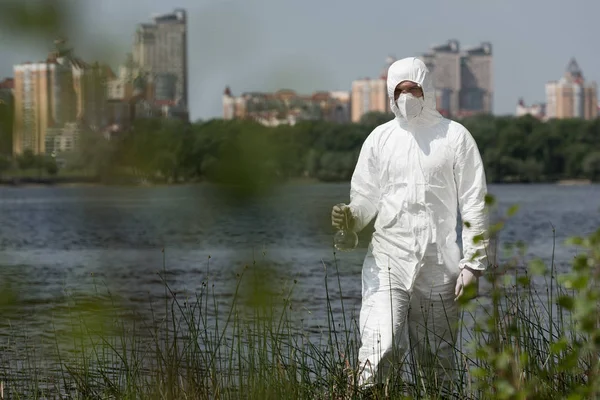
{"x": 311, "y": 45}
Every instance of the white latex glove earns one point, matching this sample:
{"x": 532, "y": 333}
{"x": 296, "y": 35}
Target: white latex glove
{"x": 465, "y": 278}
{"x": 341, "y": 217}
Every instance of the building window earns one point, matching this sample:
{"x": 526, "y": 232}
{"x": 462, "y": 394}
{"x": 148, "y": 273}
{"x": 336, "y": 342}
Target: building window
{"x": 366, "y": 99}
{"x": 472, "y": 99}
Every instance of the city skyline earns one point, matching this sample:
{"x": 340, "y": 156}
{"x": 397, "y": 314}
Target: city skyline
{"x": 462, "y": 78}
{"x": 301, "y": 62}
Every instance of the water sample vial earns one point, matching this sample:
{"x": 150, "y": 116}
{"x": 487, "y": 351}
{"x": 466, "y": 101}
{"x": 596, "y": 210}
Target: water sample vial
{"x": 345, "y": 239}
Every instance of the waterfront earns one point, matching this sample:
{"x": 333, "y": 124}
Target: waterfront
{"x": 64, "y": 248}
{"x": 57, "y": 237}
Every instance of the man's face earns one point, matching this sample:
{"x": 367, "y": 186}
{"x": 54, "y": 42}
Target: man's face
{"x": 408, "y": 87}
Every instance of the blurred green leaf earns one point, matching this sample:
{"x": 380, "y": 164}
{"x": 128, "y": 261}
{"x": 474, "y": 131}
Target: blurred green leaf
{"x": 581, "y": 263}
{"x": 522, "y": 247}
{"x": 42, "y": 17}
{"x": 246, "y": 166}
{"x": 575, "y": 241}
{"x": 505, "y": 389}
{"x": 490, "y": 200}
{"x": 259, "y": 286}
{"x": 569, "y": 361}
{"x": 566, "y": 302}
{"x": 538, "y": 267}
{"x": 524, "y": 281}
{"x": 559, "y": 346}
{"x": 497, "y": 227}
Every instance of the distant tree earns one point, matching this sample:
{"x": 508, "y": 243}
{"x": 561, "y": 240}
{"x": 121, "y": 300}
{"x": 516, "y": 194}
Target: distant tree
{"x": 6, "y": 126}
{"x": 246, "y": 154}
{"x": 5, "y": 164}
{"x": 591, "y": 166}
{"x": 27, "y": 160}
{"x": 51, "y": 166}
{"x": 374, "y": 118}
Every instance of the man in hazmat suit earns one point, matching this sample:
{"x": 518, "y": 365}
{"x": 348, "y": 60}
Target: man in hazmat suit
{"x": 414, "y": 173}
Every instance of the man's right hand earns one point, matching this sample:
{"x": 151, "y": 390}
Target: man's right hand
{"x": 341, "y": 217}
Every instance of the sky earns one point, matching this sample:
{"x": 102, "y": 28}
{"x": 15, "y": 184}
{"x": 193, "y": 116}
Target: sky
{"x": 308, "y": 45}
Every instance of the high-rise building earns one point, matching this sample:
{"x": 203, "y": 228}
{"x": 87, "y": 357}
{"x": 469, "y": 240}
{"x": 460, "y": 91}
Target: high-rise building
{"x": 444, "y": 63}
{"x": 370, "y": 95}
{"x": 124, "y": 89}
{"x": 463, "y": 79}
{"x": 476, "y": 80}
{"x": 50, "y": 94}
{"x": 572, "y": 96}
{"x": 160, "y": 48}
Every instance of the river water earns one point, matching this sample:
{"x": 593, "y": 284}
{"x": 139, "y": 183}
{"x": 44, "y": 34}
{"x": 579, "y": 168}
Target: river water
{"x": 58, "y": 240}
{"x": 59, "y": 236}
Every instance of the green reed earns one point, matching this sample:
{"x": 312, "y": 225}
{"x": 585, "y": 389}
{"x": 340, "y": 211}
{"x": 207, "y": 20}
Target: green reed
{"x": 532, "y": 335}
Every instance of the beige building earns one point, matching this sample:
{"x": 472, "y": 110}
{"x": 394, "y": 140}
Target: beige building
{"x": 571, "y": 96}
{"x": 50, "y": 94}
{"x": 370, "y": 95}
{"x": 286, "y": 107}
{"x": 535, "y": 110}
{"x": 36, "y": 109}
{"x": 234, "y": 107}
{"x": 463, "y": 79}
{"x": 160, "y": 48}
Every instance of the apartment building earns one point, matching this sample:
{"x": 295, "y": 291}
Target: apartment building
{"x": 571, "y": 96}
{"x": 463, "y": 79}
{"x": 160, "y": 48}
{"x": 537, "y": 110}
{"x": 52, "y": 93}
{"x": 370, "y": 95}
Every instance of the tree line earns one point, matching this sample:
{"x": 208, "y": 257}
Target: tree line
{"x": 243, "y": 152}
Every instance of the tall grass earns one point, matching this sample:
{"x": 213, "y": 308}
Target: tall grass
{"x": 533, "y": 335}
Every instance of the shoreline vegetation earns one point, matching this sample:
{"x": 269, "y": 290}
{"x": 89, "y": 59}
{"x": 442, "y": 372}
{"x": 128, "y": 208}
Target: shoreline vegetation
{"x": 24, "y": 182}
{"x": 247, "y": 154}
{"x": 86, "y": 181}
{"x": 522, "y": 341}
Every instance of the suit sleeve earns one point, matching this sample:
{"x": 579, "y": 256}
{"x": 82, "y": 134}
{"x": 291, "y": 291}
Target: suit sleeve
{"x": 470, "y": 179}
{"x": 364, "y": 186}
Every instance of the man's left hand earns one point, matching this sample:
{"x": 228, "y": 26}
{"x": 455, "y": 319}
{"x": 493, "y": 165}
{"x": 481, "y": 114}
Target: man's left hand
{"x": 467, "y": 277}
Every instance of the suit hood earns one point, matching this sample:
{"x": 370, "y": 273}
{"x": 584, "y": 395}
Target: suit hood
{"x": 414, "y": 70}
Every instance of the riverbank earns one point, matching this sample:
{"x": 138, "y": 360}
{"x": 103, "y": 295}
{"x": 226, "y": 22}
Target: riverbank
{"x": 28, "y": 181}
{"x": 572, "y": 182}
{"x": 88, "y": 180}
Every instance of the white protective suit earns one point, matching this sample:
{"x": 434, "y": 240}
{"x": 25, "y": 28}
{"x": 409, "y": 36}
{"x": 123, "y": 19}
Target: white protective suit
{"x": 414, "y": 175}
